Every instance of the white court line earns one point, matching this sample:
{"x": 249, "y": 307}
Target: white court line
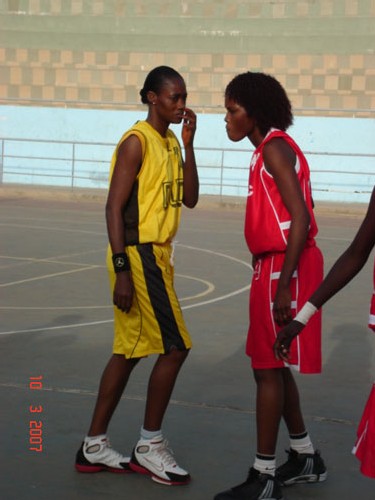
{"x": 52, "y": 308}
{"x": 191, "y": 306}
{"x": 102, "y": 233}
{"x": 55, "y": 258}
{"x": 62, "y": 327}
{"x": 218, "y": 299}
{"x": 48, "y": 276}
{"x": 93, "y": 323}
{"x": 240, "y": 261}
{"x": 59, "y": 229}
{"x": 7, "y": 220}
{"x": 210, "y": 288}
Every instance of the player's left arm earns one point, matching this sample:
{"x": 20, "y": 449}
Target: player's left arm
{"x": 280, "y": 160}
{"x": 191, "y": 180}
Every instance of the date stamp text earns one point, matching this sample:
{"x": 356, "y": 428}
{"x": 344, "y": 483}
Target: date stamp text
{"x": 35, "y": 422}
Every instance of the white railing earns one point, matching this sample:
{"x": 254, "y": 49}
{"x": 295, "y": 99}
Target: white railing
{"x": 335, "y": 176}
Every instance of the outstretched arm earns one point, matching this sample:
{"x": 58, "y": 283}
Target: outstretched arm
{"x": 351, "y": 261}
{"x": 342, "y": 272}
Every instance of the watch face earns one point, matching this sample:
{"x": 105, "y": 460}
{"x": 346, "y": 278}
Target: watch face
{"x": 119, "y": 262}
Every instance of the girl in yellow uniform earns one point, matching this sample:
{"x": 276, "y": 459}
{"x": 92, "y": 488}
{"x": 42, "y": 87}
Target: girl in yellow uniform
{"x": 154, "y": 323}
{"x": 149, "y": 182}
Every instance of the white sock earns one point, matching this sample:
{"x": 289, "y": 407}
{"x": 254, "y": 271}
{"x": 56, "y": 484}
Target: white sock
{"x": 265, "y": 464}
{"x": 302, "y": 443}
{"x": 148, "y": 435}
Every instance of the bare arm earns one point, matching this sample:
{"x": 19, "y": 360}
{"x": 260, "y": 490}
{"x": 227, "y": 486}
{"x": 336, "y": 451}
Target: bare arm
{"x": 346, "y": 267}
{"x": 125, "y": 172}
{"x": 351, "y": 261}
{"x": 279, "y": 159}
{"x": 191, "y": 181}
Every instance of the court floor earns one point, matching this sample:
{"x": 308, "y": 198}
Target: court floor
{"x": 56, "y": 336}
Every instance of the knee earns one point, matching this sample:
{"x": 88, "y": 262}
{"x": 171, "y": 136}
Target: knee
{"x": 177, "y": 355}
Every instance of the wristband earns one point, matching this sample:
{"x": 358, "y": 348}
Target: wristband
{"x": 120, "y": 262}
{"x": 305, "y": 313}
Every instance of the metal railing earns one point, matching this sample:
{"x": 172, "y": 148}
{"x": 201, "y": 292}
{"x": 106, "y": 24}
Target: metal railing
{"x": 222, "y": 171}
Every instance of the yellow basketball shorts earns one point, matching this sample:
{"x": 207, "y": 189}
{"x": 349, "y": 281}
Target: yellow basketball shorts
{"x": 154, "y": 324}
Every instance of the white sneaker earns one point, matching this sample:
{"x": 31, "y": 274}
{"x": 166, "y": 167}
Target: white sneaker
{"x": 153, "y": 457}
{"x": 97, "y": 455}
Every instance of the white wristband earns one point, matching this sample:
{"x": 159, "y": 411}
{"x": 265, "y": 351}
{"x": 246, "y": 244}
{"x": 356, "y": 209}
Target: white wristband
{"x": 305, "y": 313}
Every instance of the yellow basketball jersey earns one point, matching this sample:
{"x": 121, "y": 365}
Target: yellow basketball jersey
{"x": 152, "y": 214}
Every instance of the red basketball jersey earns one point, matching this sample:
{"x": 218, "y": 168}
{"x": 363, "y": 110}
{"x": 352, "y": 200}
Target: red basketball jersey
{"x": 267, "y": 220}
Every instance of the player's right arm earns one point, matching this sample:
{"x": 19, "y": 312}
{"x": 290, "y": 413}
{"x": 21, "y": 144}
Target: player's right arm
{"x": 279, "y": 160}
{"x": 351, "y": 261}
{"x": 129, "y": 160}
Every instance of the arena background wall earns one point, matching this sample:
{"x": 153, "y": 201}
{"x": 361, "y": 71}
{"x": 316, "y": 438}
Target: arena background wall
{"x": 71, "y": 71}
{"x": 96, "y": 53}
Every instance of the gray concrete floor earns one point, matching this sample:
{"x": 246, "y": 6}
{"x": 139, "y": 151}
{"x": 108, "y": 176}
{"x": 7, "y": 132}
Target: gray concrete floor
{"x": 56, "y": 323}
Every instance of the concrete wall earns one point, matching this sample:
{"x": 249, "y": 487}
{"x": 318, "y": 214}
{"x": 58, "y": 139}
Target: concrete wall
{"x": 73, "y": 147}
{"x": 81, "y": 53}
{"x": 71, "y": 70}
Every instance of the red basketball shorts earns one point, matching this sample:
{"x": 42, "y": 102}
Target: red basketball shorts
{"x": 305, "y": 352}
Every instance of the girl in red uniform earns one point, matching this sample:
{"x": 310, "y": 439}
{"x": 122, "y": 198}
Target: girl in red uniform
{"x": 280, "y": 232}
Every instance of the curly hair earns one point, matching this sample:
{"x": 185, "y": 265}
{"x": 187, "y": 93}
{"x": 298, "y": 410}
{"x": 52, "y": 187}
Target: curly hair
{"x": 263, "y": 98}
{"x": 155, "y": 80}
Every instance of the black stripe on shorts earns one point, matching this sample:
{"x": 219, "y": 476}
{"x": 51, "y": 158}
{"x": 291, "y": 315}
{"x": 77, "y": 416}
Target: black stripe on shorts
{"x": 159, "y": 299}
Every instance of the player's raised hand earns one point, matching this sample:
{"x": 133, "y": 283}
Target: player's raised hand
{"x": 189, "y": 126}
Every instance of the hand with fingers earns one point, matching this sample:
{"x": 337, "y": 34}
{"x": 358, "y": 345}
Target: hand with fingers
{"x": 123, "y": 291}
{"x": 282, "y": 313}
{"x": 189, "y": 127}
{"x": 284, "y": 339}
